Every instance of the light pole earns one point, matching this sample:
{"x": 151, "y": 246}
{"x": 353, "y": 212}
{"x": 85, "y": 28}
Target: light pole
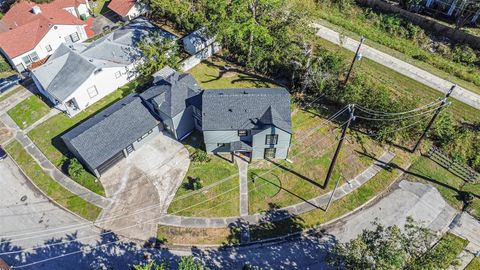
{"x": 358, "y": 56}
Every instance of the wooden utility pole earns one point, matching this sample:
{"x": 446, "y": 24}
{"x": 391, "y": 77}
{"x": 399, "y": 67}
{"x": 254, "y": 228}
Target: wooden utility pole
{"x": 437, "y": 112}
{"x": 351, "y": 108}
{"x": 355, "y": 58}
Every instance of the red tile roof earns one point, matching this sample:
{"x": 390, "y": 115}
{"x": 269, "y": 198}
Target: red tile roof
{"x": 21, "y": 29}
{"x": 121, "y": 7}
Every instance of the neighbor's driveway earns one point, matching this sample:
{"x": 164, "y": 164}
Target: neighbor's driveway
{"x": 142, "y": 187}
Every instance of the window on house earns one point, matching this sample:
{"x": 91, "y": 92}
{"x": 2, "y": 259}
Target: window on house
{"x": 26, "y": 60}
{"x": 271, "y": 139}
{"x": 92, "y": 91}
{"x": 48, "y": 48}
{"x": 34, "y": 56}
{"x": 74, "y": 37}
{"x": 118, "y": 74}
{"x": 242, "y": 132}
{"x": 270, "y": 152}
{"x": 145, "y": 135}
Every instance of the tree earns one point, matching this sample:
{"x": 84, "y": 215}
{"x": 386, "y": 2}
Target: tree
{"x": 158, "y": 52}
{"x": 150, "y": 266}
{"x": 189, "y": 263}
{"x": 383, "y": 247}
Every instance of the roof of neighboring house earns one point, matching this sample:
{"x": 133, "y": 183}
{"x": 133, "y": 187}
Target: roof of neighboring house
{"x": 236, "y": 109}
{"x": 171, "y": 95}
{"x": 111, "y": 130}
{"x": 121, "y": 7}
{"x": 21, "y": 30}
{"x": 200, "y": 39}
{"x": 114, "y": 50}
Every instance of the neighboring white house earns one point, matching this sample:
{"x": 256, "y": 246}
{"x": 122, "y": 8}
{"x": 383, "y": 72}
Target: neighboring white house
{"x": 77, "y": 76}
{"x": 129, "y": 9}
{"x": 30, "y": 32}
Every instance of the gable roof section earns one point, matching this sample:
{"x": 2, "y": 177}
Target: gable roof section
{"x": 111, "y": 130}
{"x": 171, "y": 95}
{"x": 83, "y": 60}
{"x": 121, "y": 7}
{"x": 236, "y": 109}
{"x": 22, "y": 30}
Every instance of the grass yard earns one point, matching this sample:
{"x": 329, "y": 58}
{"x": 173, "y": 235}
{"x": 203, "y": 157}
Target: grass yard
{"x": 9, "y": 93}
{"x": 29, "y": 111}
{"x": 402, "y": 85}
{"x": 312, "y": 149}
{"x": 474, "y": 264}
{"x": 54, "y": 190}
{"x": 210, "y": 76}
{"x": 443, "y": 253}
{"x": 218, "y": 201}
{"x": 427, "y": 171}
{"x": 47, "y": 135}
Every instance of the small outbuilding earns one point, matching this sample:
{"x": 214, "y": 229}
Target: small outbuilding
{"x": 197, "y": 41}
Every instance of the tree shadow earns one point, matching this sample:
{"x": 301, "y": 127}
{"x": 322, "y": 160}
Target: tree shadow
{"x": 297, "y": 174}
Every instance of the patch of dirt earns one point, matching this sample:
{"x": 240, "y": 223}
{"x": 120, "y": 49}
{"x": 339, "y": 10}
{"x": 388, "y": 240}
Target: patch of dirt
{"x": 229, "y": 74}
{"x": 5, "y": 133}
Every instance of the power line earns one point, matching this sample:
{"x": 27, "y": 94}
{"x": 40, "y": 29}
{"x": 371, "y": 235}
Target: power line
{"x": 404, "y": 117}
{"x": 380, "y": 113}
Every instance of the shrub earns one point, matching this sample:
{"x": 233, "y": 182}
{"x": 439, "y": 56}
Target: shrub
{"x": 464, "y": 54}
{"x": 4, "y": 66}
{"x": 75, "y": 168}
{"x": 200, "y": 156}
{"x": 194, "y": 183}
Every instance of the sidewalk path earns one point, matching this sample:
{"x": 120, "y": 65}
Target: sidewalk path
{"x": 400, "y": 66}
{"x": 286, "y": 212}
{"x": 242, "y": 173}
{"x": 14, "y": 99}
{"x": 50, "y": 169}
{"x": 466, "y": 227}
{"x": 49, "y": 115}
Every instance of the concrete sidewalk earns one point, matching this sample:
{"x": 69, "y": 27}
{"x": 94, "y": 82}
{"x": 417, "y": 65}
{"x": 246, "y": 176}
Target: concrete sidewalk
{"x": 400, "y": 66}
{"x": 243, "y": 178}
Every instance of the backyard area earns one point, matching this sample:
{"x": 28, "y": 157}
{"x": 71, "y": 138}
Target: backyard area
{"x": 29, "y": 111}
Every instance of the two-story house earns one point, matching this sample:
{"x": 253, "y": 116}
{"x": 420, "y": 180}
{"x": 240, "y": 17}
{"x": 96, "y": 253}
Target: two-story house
{"x": 252, "y": 122}
{"x": 30, "y": 32}
{"x": 77, "y": 76}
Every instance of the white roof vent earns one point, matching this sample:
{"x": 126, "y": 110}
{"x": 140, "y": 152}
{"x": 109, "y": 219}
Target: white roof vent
{"x": 36, "y": 10}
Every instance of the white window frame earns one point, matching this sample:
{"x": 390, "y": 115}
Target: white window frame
{"x": 75, "y": 35}
{"x": 48, "y": 48}
{"x": 118, "y": 74}
{"x": 92, "y": 94}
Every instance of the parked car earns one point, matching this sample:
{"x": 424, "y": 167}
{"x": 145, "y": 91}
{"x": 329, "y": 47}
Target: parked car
{"x": 3, "y": 154}
{"x": 7, "y": 83}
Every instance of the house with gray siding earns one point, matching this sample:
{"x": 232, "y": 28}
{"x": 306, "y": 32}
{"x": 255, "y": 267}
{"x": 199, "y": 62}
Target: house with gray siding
{"x": 251, "y": 122}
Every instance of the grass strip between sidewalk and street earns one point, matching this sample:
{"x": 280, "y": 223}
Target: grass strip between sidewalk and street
{"x": 474, "y": 264}
{"x": 50, "y": 187}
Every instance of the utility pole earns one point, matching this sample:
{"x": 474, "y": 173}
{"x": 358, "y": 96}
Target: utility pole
{"x": 355, "y": 58}
{"x": 437, "y": 112}
{"x": 351, "y": 108}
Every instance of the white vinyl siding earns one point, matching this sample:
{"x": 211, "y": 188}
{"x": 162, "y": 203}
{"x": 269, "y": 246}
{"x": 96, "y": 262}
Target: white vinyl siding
{"x": 92, "y": 91}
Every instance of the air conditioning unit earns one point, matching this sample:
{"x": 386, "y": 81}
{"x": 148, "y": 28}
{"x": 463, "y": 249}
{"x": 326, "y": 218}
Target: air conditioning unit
{"x": 36, "y": 10}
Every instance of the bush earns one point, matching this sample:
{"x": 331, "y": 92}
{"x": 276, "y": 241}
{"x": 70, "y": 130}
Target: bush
{"x": 199, "y": 156}
{"x": 4, "y": 66}
{"x": 75, "y": 168}
{"x": 194, "y": 183}
{"x": 464, "y": 54}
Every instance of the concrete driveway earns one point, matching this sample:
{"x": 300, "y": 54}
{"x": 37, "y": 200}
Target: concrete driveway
{"x": 142, "y": 187}
{"x": 23, "y": 210}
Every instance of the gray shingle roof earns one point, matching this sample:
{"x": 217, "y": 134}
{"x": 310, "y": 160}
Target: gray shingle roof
{"x": 235, "y": 109}
{"x": 172, "y": 94}
{"x": 69, "y": 67}
{"x": 111, "y": 130}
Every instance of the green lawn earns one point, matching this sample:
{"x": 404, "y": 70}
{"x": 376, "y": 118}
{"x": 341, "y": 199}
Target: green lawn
{"x": 286, "y": 183}
{"x": 54, "y": 190}
{"x": 47, "y": 135}
{"x": 223, "y": 199}
{"x": 427, "y": 171}
{"x": 209, "y": 76}
{"x": 474, "y": 264}
{"x": 443, "y": 253}
{"x": 402, "y": 85}
{"x": 9, "y": 93}
{"x": 29, "y": 111}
